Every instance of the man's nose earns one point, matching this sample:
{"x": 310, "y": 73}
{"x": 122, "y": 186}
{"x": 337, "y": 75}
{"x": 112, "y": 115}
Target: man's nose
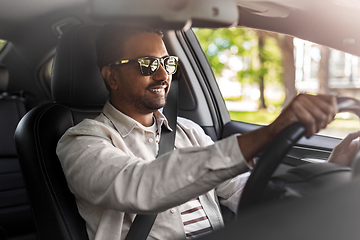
{"x": 161, "y": 74}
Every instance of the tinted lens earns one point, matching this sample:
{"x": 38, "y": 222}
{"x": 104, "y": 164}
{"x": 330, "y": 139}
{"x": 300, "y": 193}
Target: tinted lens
{"x": 154, "y": 65}
{"x": 171, "y": 64}
{"x": 148, "y": 66}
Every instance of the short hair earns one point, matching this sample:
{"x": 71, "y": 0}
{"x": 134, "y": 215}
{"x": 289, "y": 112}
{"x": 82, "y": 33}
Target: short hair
{"x": 111, "y": 38}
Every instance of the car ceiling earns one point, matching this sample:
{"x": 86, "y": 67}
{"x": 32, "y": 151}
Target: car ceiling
{"x": 307, "y": 19}
{"x": 20, "y": 10}
{"x": 333, "y": 23}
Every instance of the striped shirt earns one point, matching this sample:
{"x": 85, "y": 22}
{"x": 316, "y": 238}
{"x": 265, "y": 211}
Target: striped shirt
{"x": 195, "y": 221}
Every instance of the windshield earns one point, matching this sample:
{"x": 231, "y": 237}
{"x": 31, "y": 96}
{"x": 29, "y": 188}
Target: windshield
{"x": 259, "y": 72}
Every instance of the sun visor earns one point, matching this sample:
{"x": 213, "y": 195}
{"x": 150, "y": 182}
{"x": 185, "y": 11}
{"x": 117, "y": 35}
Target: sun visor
{"x": 165, "y": 14}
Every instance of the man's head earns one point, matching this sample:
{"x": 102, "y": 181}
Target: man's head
{"x": 110, "y": 42}
{"x": 134, "y": 89}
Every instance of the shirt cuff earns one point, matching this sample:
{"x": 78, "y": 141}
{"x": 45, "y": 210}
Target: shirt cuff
{"x": 229, "y": 152}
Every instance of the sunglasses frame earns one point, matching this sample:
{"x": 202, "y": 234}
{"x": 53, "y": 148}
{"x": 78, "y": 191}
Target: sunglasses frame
{"x": 139, "y": 61}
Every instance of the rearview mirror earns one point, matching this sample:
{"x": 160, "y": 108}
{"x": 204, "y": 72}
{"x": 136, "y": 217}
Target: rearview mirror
{"x": 165, "y": 14}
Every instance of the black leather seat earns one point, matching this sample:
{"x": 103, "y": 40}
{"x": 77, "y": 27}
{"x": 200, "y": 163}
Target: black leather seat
{"x": 15, "y": 215}
{"x": 78, "y": 92}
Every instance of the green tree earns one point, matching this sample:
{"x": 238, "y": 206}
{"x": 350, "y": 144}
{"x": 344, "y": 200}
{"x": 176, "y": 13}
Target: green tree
{"x": 269, "y": 56}
{"x": 258, "y": 48}
{"x": 218, "y": 43}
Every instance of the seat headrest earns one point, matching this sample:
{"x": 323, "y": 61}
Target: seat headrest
{"x": 4, "y": 78}
{"x": 75, "y": 75}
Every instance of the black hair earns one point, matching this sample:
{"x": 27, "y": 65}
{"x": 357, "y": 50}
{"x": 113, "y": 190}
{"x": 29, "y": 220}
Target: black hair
{"x": 110, "y": 41}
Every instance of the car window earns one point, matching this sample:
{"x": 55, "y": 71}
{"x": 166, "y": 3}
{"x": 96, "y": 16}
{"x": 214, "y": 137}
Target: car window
{"x": 259, "y": 72}
{"x": 2, "y": 44}
{"x": 45, "y": 76}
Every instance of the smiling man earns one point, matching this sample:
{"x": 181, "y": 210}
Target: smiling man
{"x": 111, "y": 163}
{"x": 139, "y": 95}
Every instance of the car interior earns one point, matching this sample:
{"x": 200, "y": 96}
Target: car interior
{"x": 49, "y": 81}
{"x": 81, "y": 96}
{"x": 15, "y": 209}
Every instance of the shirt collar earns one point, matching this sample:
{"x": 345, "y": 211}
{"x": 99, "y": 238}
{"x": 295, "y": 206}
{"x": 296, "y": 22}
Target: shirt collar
{"x": 125, "y": 124}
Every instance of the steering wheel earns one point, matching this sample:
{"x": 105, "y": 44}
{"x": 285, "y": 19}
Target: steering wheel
{"x": 276, "y": 150}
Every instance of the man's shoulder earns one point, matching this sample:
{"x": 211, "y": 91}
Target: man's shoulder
{"x": 90, "y": 127}
{"x": 187, "y": 123}
{"x": 193, "y": 131}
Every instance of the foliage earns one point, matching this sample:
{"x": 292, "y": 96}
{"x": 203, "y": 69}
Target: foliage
{"x": 220, "y": 45}
{"x": 272, "y": 65}
{"x": 261, "y": 117}
{"x": 261, "y": 57}
{"x": 346, "y": 124}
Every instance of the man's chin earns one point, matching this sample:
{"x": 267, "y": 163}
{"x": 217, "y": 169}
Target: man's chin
{"x": 155, "y": 107}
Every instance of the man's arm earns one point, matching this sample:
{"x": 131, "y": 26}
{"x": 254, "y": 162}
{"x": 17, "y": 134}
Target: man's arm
{"x": 100, "y": 169}
{"x": 315, "y": 112}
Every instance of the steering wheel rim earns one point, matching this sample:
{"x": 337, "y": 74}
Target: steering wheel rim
{"x": 276, "y": 150}
{"x": 271, "y": 157}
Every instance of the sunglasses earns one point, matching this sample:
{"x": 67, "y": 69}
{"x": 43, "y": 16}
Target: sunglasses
{"x": 149, "y": 65}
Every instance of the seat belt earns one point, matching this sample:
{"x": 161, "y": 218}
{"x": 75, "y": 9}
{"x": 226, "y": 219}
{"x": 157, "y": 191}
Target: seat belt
{"x": 143, "y": 223}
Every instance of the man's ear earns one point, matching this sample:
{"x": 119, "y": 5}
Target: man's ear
{"x": 108, "y": 74}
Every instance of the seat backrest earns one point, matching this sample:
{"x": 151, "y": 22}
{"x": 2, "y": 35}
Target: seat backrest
{"x": 78, "y": 92}
{"x": 15, "y": 214}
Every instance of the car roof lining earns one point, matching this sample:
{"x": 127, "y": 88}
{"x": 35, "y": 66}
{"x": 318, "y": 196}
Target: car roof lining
{"x": 287, "y": 17}
{"x": 19, "y": 10}
{"x": 322, "y": 24}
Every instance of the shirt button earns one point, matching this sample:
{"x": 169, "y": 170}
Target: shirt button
{"x": 190, "y": 178}
{"x": 172, "y": 210}
{"x": 227, "y": 159}
{"x": 150, "y": 140}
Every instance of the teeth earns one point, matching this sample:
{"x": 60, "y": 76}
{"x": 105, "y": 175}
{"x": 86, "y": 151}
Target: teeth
{"x": 157, "y": 90}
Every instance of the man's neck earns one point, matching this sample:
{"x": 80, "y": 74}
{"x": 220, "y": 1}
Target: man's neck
{"x": 144, "y": 118}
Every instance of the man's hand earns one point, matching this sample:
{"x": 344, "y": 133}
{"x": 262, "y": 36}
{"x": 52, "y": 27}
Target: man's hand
{"x": 315, "y": 112}
{"x": 345, "y": 151}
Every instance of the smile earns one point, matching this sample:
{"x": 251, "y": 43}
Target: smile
{"x": 158, "y": 90}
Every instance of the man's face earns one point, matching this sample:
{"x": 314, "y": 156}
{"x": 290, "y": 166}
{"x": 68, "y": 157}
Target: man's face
{"x": 135, "y": 93}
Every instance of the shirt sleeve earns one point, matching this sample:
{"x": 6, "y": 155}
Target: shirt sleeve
{"x": 230, "y": 191}
{"x": 111, "y": 177}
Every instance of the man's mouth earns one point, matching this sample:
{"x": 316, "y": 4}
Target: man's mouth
{"x": 157, "y": 89}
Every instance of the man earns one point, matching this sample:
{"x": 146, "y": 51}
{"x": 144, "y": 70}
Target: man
{"x": 110, "y": 163}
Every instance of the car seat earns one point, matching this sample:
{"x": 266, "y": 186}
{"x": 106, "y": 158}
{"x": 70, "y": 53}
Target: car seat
{"x": 15, "y": 215}
{"x": 78, "y": 92}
